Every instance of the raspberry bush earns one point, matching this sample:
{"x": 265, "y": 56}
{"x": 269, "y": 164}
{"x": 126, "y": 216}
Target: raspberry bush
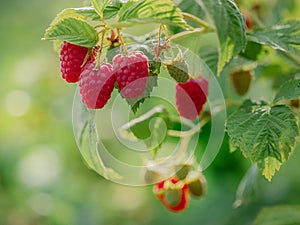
{"x": 230, "y": 40}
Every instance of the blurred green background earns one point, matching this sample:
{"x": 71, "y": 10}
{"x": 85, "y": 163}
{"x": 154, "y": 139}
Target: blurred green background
{"x": 43, "y": 180}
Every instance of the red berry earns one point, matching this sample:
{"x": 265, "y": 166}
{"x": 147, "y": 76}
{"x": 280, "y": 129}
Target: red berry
{"x": 96, "y": 85}
{"x": 173, "y": 194}
{"x": 131, "y": 72}
{"x": 71, "y": 60}
{"x": 190, "y": 97}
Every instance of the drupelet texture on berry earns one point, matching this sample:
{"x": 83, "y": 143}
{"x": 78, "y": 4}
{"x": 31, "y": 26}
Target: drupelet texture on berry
{"x": 71, "y": 61}
{"x": 131, "y": 72}
{"x": 96, "y": 85}
{"x": 191, "y": 96}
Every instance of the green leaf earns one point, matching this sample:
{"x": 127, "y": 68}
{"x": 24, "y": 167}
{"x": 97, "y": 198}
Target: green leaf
{"x": 279, "y": 215}
{"x": 281, "y": 37}
{"x": 289, "y": 90}
{"x": 265, "y": 134}
{"x": 150, "y": 11}
{"x": 99, "y": 6}
{"x": 109, "y": 11}
{"x": 73, "y": 30}
{"x": 230, "y": 27}
{"x": 88, "y": 12}
{"x": 67, "y": 13}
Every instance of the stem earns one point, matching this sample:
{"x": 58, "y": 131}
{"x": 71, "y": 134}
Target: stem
{"x": 197, "y": 20}
{"x": 122, "y": 42}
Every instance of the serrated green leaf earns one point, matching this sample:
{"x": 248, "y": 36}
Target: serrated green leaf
{"x": 109, "y": 11}
{"x": 73, "y": 30}
{"x": 99, "y": 6}
{"x": 150, "y": 11}
{"x": 88, "y": 12}
{"x": 265, "y": 134}
{"x": 289, "y": 90}
{"x": 279, "y": 215}
{"x": 67, "y": 13}
{"x": 230, "y": 27}
{"x": 281, "y": 37}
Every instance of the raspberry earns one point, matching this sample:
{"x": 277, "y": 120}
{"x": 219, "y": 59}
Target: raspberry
{"x": 178, "y": 70}
{"x": 131, "y": 72}
{"x": 96, "y": 85}
{"x": 190, "y": 97}
{"x": 71, "y": 60}
{"x": 173, "y": 194}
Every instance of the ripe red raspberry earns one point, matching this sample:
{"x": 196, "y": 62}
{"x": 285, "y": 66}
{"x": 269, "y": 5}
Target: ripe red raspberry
{"x": 71, "y": 60}
{"x": 131, "y": 72}
{"x": 173, "y": 194}
{"x": 190, "y": 97}
{"x": 96, "y": 85}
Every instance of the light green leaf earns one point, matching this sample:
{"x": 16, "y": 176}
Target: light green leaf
{"x": 108, "y": 12}
{"x": 230, "y": 27}
{"x": 265, "y": 134}
{"x": 67, "y": 13}
{"x": 279, "y": 215}
{"x": 150, "y": 11}
{"x": 73, "y": 30}
{"x": 289, "y": 90}
{"x": 281, "y": 37}
{"x": 99, "y": 6}
{"x": 88, "y": 12}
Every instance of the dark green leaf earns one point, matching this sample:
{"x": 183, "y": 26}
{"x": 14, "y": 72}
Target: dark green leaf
{"x": 281, "y": 37}
{"x": 73, "y": 30}
{"x": 230, "y": 28}
{"x": 150, "y": 11}
{"x": 265, "y": 134}
{"x": 289, "y": 90}
{"x": 279, "y": 215}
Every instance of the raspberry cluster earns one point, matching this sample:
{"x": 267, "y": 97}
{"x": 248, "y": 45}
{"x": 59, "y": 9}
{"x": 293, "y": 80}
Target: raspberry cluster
{"x": 96, "y": 83}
